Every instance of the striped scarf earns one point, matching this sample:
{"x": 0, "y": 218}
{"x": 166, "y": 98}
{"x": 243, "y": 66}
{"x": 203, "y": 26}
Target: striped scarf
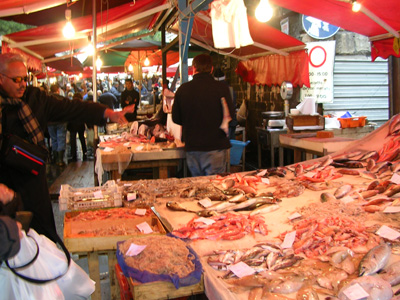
{"x": 29, "y": 121}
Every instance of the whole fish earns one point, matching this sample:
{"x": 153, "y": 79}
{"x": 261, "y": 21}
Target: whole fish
{"x": 375, "y": 260}
{"x": 392, "y": 274}
{"x": 264, "y": 209}
{"x": 342, "y": 191}
{"x": 369, "y": 155}
{"x": 307, "y": 293}
{"x": 327, "y": 197}
{"x": 172, "y": 205}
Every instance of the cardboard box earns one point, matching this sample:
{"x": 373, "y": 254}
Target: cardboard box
{"x": 76, "y": 242}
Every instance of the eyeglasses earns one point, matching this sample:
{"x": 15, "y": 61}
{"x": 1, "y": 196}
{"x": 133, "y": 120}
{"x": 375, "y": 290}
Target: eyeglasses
{"x": 17, "y": 79}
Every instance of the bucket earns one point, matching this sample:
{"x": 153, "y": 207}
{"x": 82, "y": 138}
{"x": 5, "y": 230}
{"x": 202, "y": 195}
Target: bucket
{"x": 236, "y": 151}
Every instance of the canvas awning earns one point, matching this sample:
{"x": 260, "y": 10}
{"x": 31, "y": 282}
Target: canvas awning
{"x": 378, "y": 20}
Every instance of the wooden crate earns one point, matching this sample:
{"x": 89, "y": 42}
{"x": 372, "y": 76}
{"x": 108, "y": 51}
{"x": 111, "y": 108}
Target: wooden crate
{"x": 299, "y": 121}
{"x": 160, "y": 290}
{"x": 101, "y": 243}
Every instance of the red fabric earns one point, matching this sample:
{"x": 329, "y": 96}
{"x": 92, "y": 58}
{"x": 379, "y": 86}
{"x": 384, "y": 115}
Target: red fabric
{"x": 155, "y": 58}
{"x": 274, "y": 69}
{"x": 383, "y": 48}
{"x": 32, "y": 62}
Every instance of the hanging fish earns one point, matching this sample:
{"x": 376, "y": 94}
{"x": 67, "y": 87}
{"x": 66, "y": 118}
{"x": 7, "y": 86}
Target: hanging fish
{"x": 375, "y": 260}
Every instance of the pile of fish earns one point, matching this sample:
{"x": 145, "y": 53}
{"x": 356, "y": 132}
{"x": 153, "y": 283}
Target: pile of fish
{"x": 227, "y": 226}
{"x": 307, "y": 279}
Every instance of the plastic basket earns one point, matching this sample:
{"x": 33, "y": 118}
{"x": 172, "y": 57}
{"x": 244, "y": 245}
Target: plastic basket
{"x": 236, "y": 151}
{"x": 352, "y": 122}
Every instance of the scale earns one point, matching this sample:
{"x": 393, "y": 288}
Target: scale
{"x": 286, "y": 94}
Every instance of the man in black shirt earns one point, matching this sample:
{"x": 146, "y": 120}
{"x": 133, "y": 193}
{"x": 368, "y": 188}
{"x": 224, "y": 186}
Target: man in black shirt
{"x": 128, "y": 97}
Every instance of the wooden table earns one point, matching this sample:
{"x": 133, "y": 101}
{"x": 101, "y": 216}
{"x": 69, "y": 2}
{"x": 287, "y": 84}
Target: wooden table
{"x": 115, "y": 162}
{"x": 309, "y": 144}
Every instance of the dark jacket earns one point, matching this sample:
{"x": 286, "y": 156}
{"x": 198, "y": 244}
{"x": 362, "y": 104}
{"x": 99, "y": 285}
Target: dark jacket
{"x": 129, "y": 97}
{"x": 33, "y": 189}
{"x": 197, "y": 107}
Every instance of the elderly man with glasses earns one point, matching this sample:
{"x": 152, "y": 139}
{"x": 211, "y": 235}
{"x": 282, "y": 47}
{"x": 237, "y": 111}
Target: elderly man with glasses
{"x": 25, "y": 112}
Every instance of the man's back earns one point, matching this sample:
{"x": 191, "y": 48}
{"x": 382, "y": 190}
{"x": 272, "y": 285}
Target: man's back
{"x": 109, "y": 99}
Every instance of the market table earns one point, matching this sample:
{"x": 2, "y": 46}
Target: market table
{"x": 115, "y": 162}
{"x": 311, "y": 145}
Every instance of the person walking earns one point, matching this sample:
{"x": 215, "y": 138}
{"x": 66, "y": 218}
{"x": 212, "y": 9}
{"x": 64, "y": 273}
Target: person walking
{"x": 77, "y": 128}
{"x": 200, "y": 107}
{"x": 25, "y": 111}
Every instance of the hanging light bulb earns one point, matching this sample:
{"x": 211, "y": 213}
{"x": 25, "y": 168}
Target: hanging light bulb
{"x": 264, "y": 11}
{"x": 68, "y": 30}
{"x": 99, "y": 63}
{"x": 147, "y": 61}
{"x": 356, "y": 6}
{"x": 130, "y": 68}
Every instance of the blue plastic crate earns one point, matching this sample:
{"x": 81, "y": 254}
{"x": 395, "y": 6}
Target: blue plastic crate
{"x": 237, "y": 150}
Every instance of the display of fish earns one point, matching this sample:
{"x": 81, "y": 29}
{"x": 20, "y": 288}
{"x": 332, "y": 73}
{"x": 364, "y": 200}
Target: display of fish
{"x": 377, "y": 288}
{"x": 375, "y": 260}
{"x": 342, "y": 191}
{"x": 392, "y": 274}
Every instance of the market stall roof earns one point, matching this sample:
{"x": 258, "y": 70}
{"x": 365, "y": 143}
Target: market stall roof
{"x": 45, "y": 41}
{"x": 378, "y": 20}
{"x": 19, "y": 7}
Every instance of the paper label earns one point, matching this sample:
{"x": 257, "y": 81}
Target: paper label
{"x": 135, "y": 249}
{"x": 265, "y": 180}
{"x": 108, "y": 149}
{"x": 98, "y": 194}
{"x": 126, "y": 144}
{"x": 395, "y": 178}
{"x": 78, "y": 193}
{"x": 289, "y": 240}
{"x": 355, "y": 292}
{"x": 144, "y": 228}
{"x": 294, "y": 216}
{"x": 139, "y": 148}
{"x": 392, "y": 209}
{"x": 346, "y": 199}
{"x": 206, "y": 202}
{"x": 140, "y": 211}
{"x": 387, "y": 232}
{"x": 205, "y": 221}
{"x": 310, "y": 174}
{"x": 131, "y": 196}
{"x": 241, "y": 269}
{"x": 262, "y": 173}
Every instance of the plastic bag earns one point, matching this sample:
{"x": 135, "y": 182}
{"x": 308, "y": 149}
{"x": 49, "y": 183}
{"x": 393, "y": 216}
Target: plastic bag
{"x": 51, "y": 262}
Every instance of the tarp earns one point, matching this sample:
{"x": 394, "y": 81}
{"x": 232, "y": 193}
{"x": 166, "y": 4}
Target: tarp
{"x": 339, "y": 13}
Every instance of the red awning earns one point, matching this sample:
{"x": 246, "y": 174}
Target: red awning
{"x": 339, "y": 13}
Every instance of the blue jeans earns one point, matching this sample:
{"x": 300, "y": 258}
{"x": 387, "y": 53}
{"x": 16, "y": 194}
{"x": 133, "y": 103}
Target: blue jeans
{"x": 204, "y": 163}
{"x": 57, "y": 134}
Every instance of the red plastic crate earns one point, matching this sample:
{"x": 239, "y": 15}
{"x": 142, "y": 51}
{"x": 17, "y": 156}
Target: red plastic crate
{"x": 352, "y": 122}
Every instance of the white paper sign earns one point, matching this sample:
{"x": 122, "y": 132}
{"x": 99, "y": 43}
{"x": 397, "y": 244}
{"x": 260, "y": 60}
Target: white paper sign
{"x": 265, "y": 180}
{"x": 140, "y": 211}
{"x": 289, "y": 240}
{"x": 108, "y": 149}
{"x": 144, "y": 228}
{"x": 205, "y": 221}
{"x": 355, "y": 292}
{"x": 392, "y": 209}
{"x": 346, "y": 199}
{"x": 139, "y": 148}
{"x": 131, "y": 196}
{"x": 294, "y": 216}
{"x": 262, "y": 173}
{"x": 126, "y": 144}
{"x": 127, "y": 184}
{"x": 98, "y": 194}
{"x": 135, "y": 249}
{"x": 206, "y": 202}
{"x": 241, "y": 269}
{"x": 395, "y": 178}
{"x": 310, "y": 174}
{"x": 387, "y": 232}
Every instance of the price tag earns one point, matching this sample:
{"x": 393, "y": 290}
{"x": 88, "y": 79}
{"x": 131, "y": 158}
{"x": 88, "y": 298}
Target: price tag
{"x": 294, "y": 216}
{"x": 139, "y": 148}
{"x": 78, "y": 193}
{"x": 131, "y": 196}
{"x": 355, "y": 292}
{"x": 392, "y": 209}
{"x": 140, "y": 211}
{"x": 98, "y": 194}
{"x": 387, "y": 232}
{"x": 126, "y": 144}
{"x": 395, "y": 178}
{"x": 127, "y": 184}
{"x": 262, "y": 173}
{"x": 346, "y": 199}
{"x": 241, "y": 269}
{"x": 265, "y": 180}
{"x": 310, "y": 174}
{"x": 289, "y": 240}
{"x": 205, "y": 221}
{"x": 144, "y": 228}
{"x": 206, "y": 202}
{"x": 135, "y": 249}
{"x": 108, "y": 149}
